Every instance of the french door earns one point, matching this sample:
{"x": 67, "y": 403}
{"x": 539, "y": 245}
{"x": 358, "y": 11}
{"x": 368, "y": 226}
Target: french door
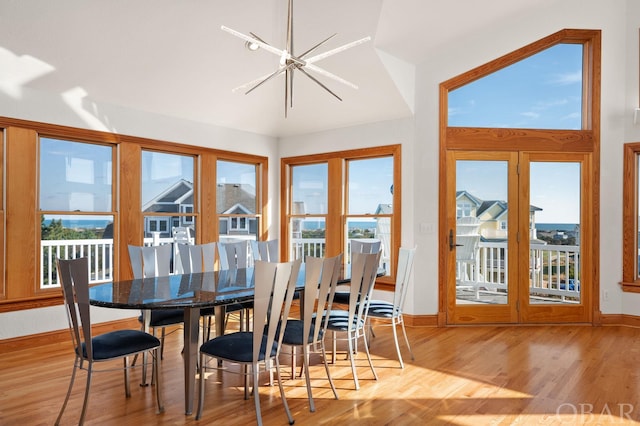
{"x": 518, "y": 236}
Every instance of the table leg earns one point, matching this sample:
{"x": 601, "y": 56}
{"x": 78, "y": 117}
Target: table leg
{"x": 220, "y": 312}
{"x": 191, "y": 329}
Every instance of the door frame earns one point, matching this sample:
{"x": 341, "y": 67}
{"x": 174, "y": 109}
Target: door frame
{"x": 585, "y": 140}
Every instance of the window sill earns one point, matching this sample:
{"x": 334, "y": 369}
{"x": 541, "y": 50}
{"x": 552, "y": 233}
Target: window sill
{"x": 630, "y": 287}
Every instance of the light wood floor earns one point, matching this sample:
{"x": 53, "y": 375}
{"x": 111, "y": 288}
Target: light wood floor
{"x": 461, "y": 376}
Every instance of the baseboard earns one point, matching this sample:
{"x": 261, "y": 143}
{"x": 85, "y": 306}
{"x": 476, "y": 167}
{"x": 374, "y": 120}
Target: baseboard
{"x": 61, "y": 336}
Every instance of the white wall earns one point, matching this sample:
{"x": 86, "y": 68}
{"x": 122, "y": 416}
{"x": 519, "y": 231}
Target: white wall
{"x": 630, "y": 48}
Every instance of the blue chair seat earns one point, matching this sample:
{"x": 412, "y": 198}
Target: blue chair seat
{"x": 293, "y": 333}
{"x": 236, "y": 347}
{"x": 120, "y": 343}
{"x": 164, "y": 317}
{"x": 382, "y": 309}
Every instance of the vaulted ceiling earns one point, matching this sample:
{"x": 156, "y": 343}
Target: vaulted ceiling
{"x": 170, "y": 57}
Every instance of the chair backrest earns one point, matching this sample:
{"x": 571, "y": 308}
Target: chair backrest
{"x": 197, "y": 257}
{"x": 364, "y": 267}
{"x": 154, "y": 261}
{"x": 233, "y": 255}
{"x": 321, "y": 277}
{"x": 467, "y": 247}
{"x": 73, "y": 275}
{"x": 265, "y": 250}
{"x": 405, "y": 264}
{"x": 366, "y": 246}
{"x": 274, "y": 287}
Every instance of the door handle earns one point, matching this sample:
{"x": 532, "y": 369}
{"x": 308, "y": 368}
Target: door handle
{"x": 452, "y": 241}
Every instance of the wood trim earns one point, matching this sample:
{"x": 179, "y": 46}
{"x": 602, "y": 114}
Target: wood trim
{"x": 22, "y": 226}
{"x": 630, "y": 280}
{"x": 207, "y": 229}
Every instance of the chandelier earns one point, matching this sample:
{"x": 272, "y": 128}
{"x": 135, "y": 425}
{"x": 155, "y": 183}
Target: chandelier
{"x": 290, "y": 62}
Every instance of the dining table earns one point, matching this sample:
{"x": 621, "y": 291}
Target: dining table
{"x": 190, "y": 292}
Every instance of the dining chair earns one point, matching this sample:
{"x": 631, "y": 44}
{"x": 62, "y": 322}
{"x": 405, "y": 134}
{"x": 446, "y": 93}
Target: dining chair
{"x": 390, "y": 313}
{"x": 265, "y": 250}
{"x": 351, "y": 322}
{"x": 154, "y": 261}
{"x": 196, "y": 258}
{"x": 89, "y": 349}
{"x": 321, "y": 276}
{"x": 274, "y": 288}
{"x": 234, "y": 255}
{"x": 357, "y": 246}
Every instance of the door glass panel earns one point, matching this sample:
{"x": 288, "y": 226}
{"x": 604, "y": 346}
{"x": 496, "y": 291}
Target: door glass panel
{"x": 554, "y": 223}
{"x": 481, "y": 232}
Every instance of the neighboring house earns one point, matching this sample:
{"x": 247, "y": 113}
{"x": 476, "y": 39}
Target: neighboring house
{"x": 492, "y": 215}
{"x": 237, "y": 199}
{"x": 178, "y": 198}
{"x": 231, "y": 199}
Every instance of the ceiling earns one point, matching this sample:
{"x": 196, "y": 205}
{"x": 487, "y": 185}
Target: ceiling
{"x": 170, "y": 57}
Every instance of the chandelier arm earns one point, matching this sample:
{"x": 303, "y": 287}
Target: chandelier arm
{"x": 286, "y": 92}
{"x": 342, "y": 48}
{"x": 254, "y": 40}
{"x": 289, "y": 47}
{"x": 317, "y": 45}
{"x": 269, "y": 77}
{"x": 326, "y": 73}
{"x": 290, "y": 81}
{"x": 258, "y": 38}
{"x": 319, "y": 83}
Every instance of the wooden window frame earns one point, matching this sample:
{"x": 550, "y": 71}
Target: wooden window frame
{"x": 19, "y": 282}
{"x": 336, "y": 212}
{"x": 630, "y": 279}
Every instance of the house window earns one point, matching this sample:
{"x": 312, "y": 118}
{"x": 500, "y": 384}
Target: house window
{"x": 76, "y": 205}
{"x": 331, "y": 198}
{"x": 239, "y": 224}
{"x": 187, "y": 208}
{"x": 464, "y": 210}
{"x": 503, "y": 225}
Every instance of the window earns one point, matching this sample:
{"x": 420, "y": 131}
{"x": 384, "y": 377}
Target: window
{"x": 167, "y": 195}
{"x": 330, "y": 199}
{"x": 61, "y": 183}
{"x": 237, "y": 200}
{"x": 464, "y": 209}
{"x": 75, "y": 204}
{"x": 517, "y": 96}
{"x": 631, "y": 211}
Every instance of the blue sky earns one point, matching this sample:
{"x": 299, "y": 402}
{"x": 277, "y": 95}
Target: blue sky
{"x": 543, "y": 91}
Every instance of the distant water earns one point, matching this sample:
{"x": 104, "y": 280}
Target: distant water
{"x": 82, "y": 223}
{"x": 309, "y": 225}
{"x": 556, "y": 226}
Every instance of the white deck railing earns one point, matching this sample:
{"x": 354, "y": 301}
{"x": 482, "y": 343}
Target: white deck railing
{"x": 553, "y": 271}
